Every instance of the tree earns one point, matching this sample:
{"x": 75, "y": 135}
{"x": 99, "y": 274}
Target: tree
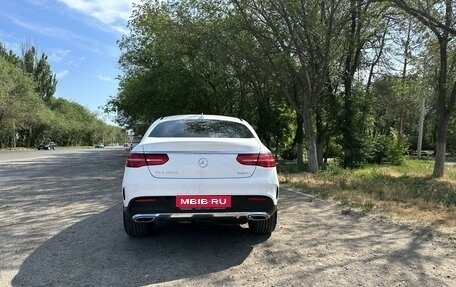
{"x": 40, "y": 70}
{"x": 9, "y": 56}
{"x": 47, "y": 81}
{"x": 18, "y": 101}
{"x": 29, "y": 114}
{"x": 438, "y": 17}
{"x": 298, "y": 39}
{"x": 198, "y": 60}
{"x": 331, "y": 62}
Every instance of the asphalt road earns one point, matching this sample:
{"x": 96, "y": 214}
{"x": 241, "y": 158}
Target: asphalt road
{"x": 61, "y": 225}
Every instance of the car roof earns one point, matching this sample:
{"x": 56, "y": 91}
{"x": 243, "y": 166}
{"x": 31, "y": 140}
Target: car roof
{"x": 200, "y": 116}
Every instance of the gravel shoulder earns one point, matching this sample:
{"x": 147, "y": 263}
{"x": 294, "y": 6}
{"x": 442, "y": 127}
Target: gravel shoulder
{"x": 61, "y": 225}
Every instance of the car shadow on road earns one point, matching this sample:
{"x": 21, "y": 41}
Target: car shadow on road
{"x": 96, "y": 252}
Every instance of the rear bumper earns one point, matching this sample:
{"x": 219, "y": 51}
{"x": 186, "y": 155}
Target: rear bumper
{"x": 138, "y": 182}
{"x": 203, "y": 216}
{"x": 243, "y": 209}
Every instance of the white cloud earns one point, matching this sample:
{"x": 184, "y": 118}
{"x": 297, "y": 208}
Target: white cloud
{"x": 10, "y": 42}
{"x": 5, "y": 35}
{"x": 86, "y": 43}
{"x": 108, "y": 12}
{"x": 62, "y": 74}
{"x": 57, "y": 55}
{"x": 106, "y": 79}
{"x": 44, "y": 30}
{"x": 76, "y": 62}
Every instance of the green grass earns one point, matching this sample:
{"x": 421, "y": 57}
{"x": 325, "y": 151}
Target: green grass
{"x": 407, "y": 192}
{"x": 405, "y": 183}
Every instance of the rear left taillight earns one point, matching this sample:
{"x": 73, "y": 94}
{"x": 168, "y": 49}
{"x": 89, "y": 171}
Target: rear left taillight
{"x": 141, "y": 159}
{"x": 260, "y": 159}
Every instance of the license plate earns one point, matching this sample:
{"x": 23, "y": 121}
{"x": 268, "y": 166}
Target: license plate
{"x": 203, "y": 201}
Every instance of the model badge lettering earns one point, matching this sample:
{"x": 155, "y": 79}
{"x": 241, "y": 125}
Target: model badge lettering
{"x": 166, "y": 172}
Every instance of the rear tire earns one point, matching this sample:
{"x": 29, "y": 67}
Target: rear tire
{"x": 135, "y": 229}
{"x": 264, "y": 226}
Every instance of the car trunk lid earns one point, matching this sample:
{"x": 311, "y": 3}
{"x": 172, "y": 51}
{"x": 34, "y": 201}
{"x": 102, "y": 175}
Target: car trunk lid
{"x": 202, "y": 157}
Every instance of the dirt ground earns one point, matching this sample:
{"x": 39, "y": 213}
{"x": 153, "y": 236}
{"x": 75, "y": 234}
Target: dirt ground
{"x": 319, "y": 243}
{"x": 61, "y": 225}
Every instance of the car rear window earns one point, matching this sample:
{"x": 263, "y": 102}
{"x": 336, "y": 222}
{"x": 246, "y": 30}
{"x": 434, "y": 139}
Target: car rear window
{"x": 136, "y": 139}
{"x": 201, "y": 128}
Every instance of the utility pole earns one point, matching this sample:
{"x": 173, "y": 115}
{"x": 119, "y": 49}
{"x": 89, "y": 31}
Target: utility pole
{"x": 13, "y": 142}
{"x": 421, "y": 122}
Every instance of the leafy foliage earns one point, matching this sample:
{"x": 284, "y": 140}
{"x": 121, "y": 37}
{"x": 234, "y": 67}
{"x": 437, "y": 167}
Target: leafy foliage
{"x": 46, "y": 81}
{"x": 396, "y": 148}
{"x": 351, "y": 70}
{"x": 178, "y": 61}
{"x": 30, "y": 114}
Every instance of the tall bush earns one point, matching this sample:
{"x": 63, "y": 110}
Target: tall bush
{"x": 396, "y": 148}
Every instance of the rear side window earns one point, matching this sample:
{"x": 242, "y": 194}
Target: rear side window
{"x": 201, "y": 128}
{"x": 136, "y": 139}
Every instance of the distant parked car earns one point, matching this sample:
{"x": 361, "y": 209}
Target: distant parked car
{"x": 99, "y": 145}
{"x": 134, "y": 142}
{"x": 47, "y": 146}
{"x": 425, "y": 153}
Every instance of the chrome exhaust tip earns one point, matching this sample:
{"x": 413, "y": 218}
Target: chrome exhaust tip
{"x": 142, "y": 218}
{"x": 258, "y": 216}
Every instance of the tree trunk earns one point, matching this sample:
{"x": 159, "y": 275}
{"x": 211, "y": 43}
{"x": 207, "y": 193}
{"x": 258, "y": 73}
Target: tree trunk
{"x": 377, "y": 58}
{"x": 443, "y": 112}
{"x": 320, "y": 137}
{"x": 347, "y": 129}
{"x": 320, "y": 150}
{"x": 350, "y": 143}
{"x": 442, "y": 132}
{"x": 404, "y": 73}
{"x": 299, "y": 138}
{"x": 311, "y": 140}
{"x": 327, "y": 150}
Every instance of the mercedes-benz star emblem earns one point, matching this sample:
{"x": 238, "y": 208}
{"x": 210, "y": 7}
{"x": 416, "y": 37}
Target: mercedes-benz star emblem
{"x": 202, "y": 162}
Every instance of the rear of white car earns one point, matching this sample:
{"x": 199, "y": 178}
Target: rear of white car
{"x": 200, "y": 168}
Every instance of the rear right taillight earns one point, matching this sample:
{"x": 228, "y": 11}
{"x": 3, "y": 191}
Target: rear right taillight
{"x": 261, "y": 159}
{"x": 141, "y": 159}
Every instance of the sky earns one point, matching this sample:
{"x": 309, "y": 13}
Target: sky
{"x": 80, "y": 39}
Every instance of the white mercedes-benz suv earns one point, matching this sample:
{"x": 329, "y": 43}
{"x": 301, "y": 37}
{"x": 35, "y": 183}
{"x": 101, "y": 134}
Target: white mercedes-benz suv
{"x": 200, "y": 168}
